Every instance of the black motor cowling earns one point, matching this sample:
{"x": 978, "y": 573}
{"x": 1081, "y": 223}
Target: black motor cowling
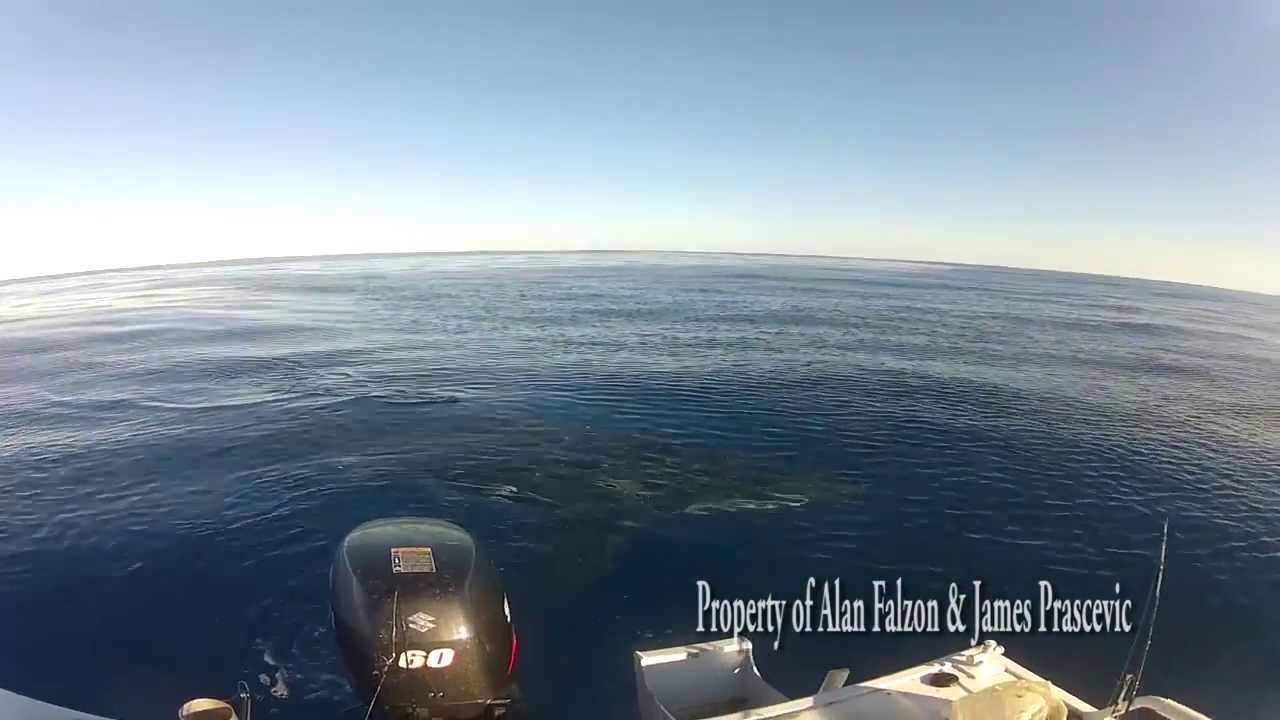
{"x": 416, "y": 599}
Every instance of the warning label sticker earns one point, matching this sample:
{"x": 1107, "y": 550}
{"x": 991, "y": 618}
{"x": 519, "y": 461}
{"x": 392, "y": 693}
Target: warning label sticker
{"x": 412, "y": 560}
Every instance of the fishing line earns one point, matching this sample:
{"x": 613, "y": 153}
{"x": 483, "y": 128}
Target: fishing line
{"x": 395, "y": 615}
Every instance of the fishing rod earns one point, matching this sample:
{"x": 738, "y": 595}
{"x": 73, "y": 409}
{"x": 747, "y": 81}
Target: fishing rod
{"x": 1127, "y": 686}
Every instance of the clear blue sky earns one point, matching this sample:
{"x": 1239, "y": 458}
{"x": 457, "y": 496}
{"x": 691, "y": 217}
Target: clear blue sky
{"x": 1117, "y": 137}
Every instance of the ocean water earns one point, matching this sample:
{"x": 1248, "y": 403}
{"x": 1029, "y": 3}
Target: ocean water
{"x": 180, "y": 450}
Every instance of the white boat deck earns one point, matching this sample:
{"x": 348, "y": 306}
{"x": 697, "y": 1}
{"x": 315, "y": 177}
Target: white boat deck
{"x": 19, "y": 707}
{"x": 719, "y": 681}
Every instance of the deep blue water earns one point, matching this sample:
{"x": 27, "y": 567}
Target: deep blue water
{"x": 180, "y": 449}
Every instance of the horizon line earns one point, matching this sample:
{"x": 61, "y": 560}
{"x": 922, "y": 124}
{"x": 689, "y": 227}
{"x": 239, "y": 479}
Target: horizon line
{"x": 603, "y": 251}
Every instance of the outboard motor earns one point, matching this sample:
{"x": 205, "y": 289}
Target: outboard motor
{"x": 422, "y": 621}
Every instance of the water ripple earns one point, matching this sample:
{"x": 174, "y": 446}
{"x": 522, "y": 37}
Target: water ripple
{"x": 192, "y": 443}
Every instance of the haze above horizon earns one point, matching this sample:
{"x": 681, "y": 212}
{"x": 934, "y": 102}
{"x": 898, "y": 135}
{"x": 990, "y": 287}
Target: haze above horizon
{"x": 1135, "y": 139}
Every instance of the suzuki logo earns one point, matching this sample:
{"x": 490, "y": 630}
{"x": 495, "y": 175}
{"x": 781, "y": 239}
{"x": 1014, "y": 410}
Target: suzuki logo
{"x": 421, "y": 622}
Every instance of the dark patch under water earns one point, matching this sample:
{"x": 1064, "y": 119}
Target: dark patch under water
{"x": 180, "y": 450}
